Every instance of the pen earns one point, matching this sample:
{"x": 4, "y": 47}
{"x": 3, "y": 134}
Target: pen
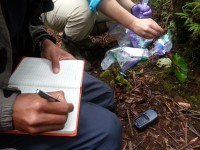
{"x": 46, "y": 96}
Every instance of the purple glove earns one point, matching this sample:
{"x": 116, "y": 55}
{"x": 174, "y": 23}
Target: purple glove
{"x": 141, "y": 11}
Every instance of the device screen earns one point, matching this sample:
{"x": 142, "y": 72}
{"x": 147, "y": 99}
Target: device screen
{"x": 142, "y": 120}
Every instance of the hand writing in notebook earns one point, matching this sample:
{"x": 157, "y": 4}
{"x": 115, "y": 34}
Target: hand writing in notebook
{"x": 36, "y": 116}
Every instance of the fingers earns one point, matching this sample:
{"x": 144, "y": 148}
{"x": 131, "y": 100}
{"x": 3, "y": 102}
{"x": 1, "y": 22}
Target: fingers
{"x": 58, "y": 108}
{"x": 152, "y": 30}
{"x": 34, "y": 114}
{"x": 156, "y": 27}
{"x": 47, "y": 119}
{"x": 55, "y": 65}
{"x": 36, "y": 130}
{"x": 61, "y": 107}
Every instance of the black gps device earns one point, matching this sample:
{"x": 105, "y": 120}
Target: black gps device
{"x": 145, "y": 119}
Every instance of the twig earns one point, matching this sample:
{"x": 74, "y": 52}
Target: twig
{"x": 130, "y": 145}
{"x": 195, "y": 117}
{"x": 192, "y": 114}
{"x": 158, "y": 142}
{"x": 168, "y": 108}
{"x": 134, "y": 78}
{"x": 197, "y": 146}
{"x": 130, "y": 124}
{"x": 192, "y": 141}
{"x": 193, "y": 111}
{"x": 193, "y": 130}
{"x": 139, "y": 143}
{"x": 171, "y": 137}
{"x": 186, "y": 132}
{"x": 124, "y": 148}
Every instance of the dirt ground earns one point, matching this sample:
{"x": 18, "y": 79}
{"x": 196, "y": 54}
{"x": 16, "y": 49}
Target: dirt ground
{"x": 178, "y": 125}
{"x": 177, "y": 104}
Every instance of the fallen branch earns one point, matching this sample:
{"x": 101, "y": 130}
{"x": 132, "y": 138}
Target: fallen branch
{"x": 130, "y": 145}
{"x": 124, "y": 148}
{"x": 168, "y": 107}
{"x": 139, "y": 143}
{"x": 191, "y": 142}
{"x": 193, "y": 130}
{"x": 172, "y": 137}
{"x": 130, "y": 124}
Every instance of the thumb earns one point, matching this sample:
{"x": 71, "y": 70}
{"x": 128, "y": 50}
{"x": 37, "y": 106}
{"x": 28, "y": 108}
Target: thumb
{"x": 55, "y": 65}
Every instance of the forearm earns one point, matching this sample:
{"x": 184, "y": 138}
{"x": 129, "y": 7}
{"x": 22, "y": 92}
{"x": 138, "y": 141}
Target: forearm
{"x": 127, "y": 4}
{"x": 115, "y": 11}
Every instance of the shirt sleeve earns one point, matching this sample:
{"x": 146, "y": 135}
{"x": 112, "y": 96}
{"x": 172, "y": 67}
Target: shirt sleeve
{"x": 6, "y": 109}
{"x": 93, "y": 4}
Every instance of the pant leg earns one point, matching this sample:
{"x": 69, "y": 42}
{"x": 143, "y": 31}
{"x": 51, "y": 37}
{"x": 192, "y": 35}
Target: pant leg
{"x": 96, "y": 91}
{"x": 72, "y": 17}
{"x": 98, "y": 129}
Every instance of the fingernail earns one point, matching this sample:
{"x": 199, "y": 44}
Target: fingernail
{"x": 56, "y": 70}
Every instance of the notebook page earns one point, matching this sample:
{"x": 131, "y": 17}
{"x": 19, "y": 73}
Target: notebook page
{"x": 38, "y": 72}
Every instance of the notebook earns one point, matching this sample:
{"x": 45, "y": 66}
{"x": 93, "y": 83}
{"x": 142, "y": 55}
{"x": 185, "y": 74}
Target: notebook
{"x": 36, "y": 73}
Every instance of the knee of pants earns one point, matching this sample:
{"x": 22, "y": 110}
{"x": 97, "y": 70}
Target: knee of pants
{"x": 101, "y": 126}
{"x": 80, "y": 24}
{"x": 113, "y": 127}
{"x": 96, "y": 91}
{"x": 111, "y": 132}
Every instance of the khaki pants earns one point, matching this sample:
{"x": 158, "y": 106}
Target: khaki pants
{"x": 74, "y": 18}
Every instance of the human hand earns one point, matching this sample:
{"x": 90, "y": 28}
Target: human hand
{"x": 34, "y": 115}
{"x": 141, "y": 11}
{"x": 55, "y": 54}
{"x": 146, "y": 28}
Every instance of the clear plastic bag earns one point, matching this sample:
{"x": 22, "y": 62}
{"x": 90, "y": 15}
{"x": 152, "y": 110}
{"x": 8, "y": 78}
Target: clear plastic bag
{"x": 126, "y": 57}
{"x": 162, "y": 45}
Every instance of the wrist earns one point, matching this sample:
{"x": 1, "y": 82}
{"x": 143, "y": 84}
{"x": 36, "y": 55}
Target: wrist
{"x": 132, "y": 23}
{"x": 40, "y": 41}
{"x": 46, "y": 44}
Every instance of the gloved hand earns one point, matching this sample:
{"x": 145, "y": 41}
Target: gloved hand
{"x": 141, "y": 11}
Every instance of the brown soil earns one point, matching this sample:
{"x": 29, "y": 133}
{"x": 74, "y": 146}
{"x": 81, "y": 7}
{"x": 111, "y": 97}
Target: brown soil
{"x": 177, "y": 104}
{"x": 178, "y": 127}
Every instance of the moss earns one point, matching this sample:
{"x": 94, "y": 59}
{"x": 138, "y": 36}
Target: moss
{"x": 195, "y": 100}
{"x": 107, "y": 77}
{"x": 167, "y": 86}
{"x": 123, "y": 82}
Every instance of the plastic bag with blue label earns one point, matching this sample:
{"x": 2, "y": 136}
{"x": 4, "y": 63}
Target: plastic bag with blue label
{"x": 125, "y": 56}
{"x": 128, "y": 57}
{"x": 162, "y": 45}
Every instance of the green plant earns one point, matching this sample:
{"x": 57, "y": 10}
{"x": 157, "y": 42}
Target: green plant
{"x": 191, "y": 13}
{"x": 121, "y": 81}
{"x": 179, "y": 68}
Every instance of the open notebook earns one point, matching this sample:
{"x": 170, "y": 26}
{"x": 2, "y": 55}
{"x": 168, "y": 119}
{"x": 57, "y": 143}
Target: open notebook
{"x": 36, "y": 73}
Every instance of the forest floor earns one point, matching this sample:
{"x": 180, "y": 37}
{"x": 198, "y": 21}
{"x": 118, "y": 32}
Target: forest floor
{"x": 146, "y": 86}
{"x": 151, "y": 87}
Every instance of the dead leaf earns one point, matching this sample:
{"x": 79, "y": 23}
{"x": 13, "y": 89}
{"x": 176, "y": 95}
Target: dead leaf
{"x": 185, "y": 105}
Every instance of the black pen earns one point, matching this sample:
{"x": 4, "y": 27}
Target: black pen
{"x": 46, "y": 96}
